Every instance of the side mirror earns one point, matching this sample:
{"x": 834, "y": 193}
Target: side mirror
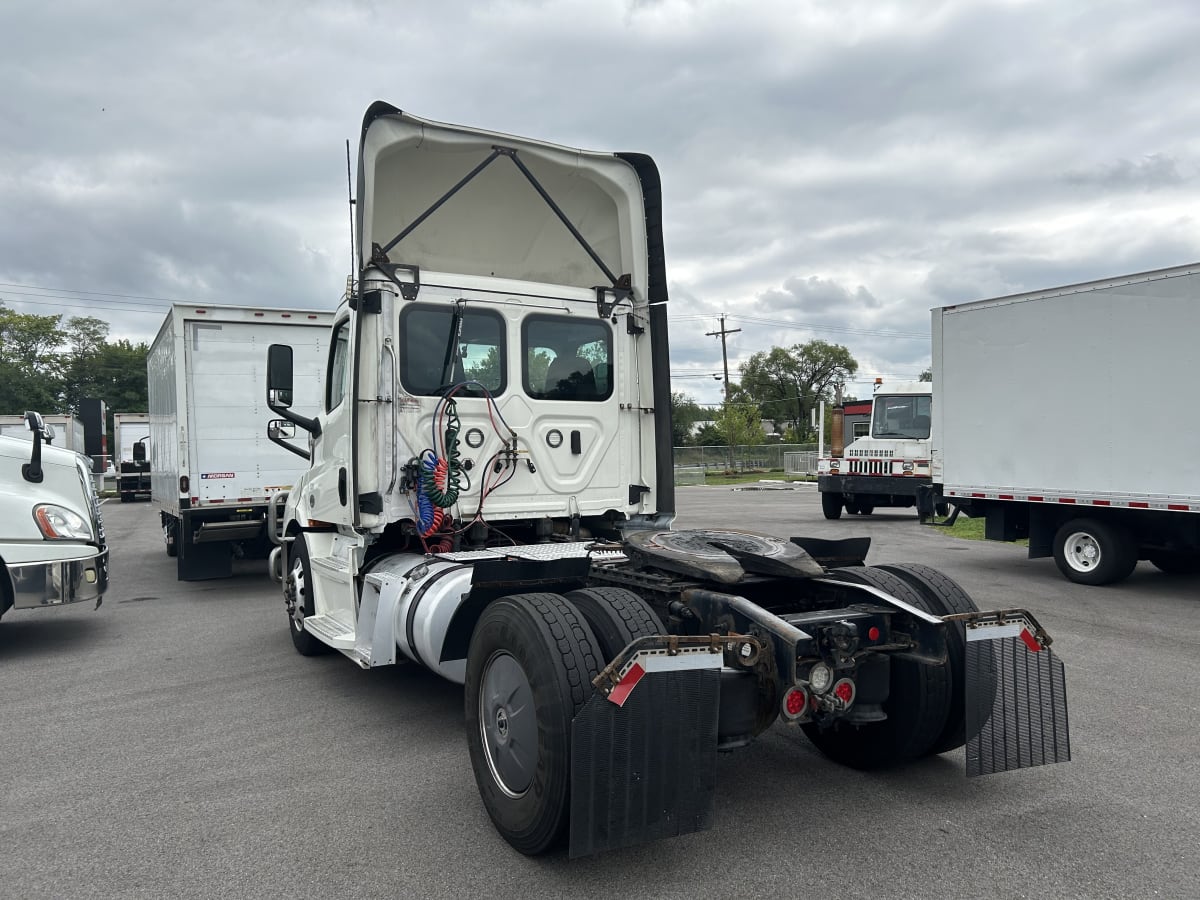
{"x": 280, "y": 429}
{"x": 139, "y": 451}
{"x": 279, "y": 376}
{"x": 32, "y": 470}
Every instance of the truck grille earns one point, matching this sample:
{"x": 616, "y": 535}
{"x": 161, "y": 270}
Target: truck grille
{"x": 89, "y": 491}
{"x": 870, "y": 466}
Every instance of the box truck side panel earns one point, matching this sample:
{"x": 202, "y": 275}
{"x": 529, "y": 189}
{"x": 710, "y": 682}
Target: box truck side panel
{"x": 168, "y": 448}
{"x": 226, "y": 364}
{"x": 1077, "y": 393}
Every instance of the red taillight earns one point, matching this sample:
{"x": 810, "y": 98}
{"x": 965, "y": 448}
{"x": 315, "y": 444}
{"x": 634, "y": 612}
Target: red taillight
{"x": 872, "y": 633}
{"x": 844, "y": 691}
{"x": 795, "y": 703}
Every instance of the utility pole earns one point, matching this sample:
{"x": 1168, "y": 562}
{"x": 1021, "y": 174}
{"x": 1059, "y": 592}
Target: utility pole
{"x": 725, "y": 364}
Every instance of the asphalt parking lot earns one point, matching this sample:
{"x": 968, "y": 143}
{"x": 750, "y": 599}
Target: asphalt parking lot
{"x": 173, "y": 744}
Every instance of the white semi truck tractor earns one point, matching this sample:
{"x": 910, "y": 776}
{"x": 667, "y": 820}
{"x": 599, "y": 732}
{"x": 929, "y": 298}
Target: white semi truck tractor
{"x": 490, "y": 496}
{"x": 52, "y": 545}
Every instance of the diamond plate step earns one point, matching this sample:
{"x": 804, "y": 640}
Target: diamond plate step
{"x": 330, "y": 631}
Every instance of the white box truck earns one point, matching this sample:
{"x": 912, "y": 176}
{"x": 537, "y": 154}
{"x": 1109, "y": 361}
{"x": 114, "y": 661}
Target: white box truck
{"x": 213, "y": 470}
{"x": 63, "y": 430}
{"x": 1057, "y": 418}
{"x": 131, "y": 434}
{"x": 52, "y": 546}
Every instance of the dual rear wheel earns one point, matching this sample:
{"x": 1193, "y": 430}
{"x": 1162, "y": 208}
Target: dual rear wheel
{"x": 530, "y": 667}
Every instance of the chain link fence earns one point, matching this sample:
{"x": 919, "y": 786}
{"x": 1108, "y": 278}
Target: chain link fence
{"x": 693, "y": 464}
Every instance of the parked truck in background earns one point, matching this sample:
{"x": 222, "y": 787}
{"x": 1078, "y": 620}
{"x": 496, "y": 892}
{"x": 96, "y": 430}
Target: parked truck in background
{"x": 490, "y": 496}
{"x": 64, "y": 431}
{"x": 212, "y": 471}
{"x": 131, "y": 434}
{"x": 887, "y": 466}
{"x": 52, "y": 545}
{"x": 1060, "y": 416}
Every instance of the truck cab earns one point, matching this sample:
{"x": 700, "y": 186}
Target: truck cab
{"x": 885, "y": 467}
{"x": 52, "y": 544}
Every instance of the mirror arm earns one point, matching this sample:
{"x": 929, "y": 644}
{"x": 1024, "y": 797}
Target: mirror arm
{"x": 312, "y": 426}
{"x": 299, "y": 451}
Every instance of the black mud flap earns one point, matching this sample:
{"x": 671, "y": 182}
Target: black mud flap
{"x": 646, "y": 769}
{"x": 1016, "y": 697}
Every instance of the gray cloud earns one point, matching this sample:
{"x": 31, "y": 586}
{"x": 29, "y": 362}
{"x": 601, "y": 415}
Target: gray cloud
{"x": 843, "y": 166}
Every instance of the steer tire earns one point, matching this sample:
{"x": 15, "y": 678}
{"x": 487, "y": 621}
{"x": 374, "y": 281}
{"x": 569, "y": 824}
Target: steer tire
{"x": 831, "y": 504}
{"x": 617, "y": 617}
{"x": 529, "y": 670}
{"x": 298, "y": 588}
{"x": 944, "y": 597}
{"x": 917, "y": 708}
{"x": 1090, "y": 551}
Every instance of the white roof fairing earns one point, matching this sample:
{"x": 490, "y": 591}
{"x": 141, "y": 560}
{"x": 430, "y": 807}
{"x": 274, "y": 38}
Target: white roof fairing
{"x": 497, "y": 224}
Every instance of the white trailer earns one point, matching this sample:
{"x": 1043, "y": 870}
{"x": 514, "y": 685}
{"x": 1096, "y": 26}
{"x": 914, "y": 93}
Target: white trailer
{"x": 131, "y": 434}
{"x": 62, "y": 430}
{"x": 1058, "y": 420}
{"x": 213, "y": 470}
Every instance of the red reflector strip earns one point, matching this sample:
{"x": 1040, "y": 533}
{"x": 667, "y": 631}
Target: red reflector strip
{"x": 1035, "y": 499}
{"x": 217, "y": 501}
{"x": 195, "y": 499}
{"x": 1101, "y": 503}
{"x": 1030, "y": 641}
{"x": 1138, "y": 504}
{"x": 259, "y": 315}
{"x": 1066, "y": 499}
{"x": 1006, "y": 496}
{"x": 979, "y": 495}
{"x": 1180, "y": 506}
{"x": 244, "y": 499}
{"x": 625, "y": 686}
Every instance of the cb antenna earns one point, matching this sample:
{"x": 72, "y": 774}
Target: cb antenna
{"x": 350, "y": 197}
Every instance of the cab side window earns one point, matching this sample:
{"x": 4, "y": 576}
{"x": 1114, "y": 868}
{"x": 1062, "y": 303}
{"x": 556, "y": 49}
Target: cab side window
{"x": 338, "y": 376}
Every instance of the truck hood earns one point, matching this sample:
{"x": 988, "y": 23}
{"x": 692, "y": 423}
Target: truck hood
{"x": 498, "y": 223}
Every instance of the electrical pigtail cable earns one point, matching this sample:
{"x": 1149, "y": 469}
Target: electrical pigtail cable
{"x": 440, "y": 475}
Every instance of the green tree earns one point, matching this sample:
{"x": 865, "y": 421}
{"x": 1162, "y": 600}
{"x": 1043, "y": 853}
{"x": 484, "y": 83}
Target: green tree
{"x": 685, "y": 413}
{"x": 788, "y": 383}
{"x": 927, "y": 375}
{"x": 739, "y": 423}
{"x": 30, "y": 369}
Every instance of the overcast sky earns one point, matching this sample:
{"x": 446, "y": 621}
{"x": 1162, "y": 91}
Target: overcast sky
{"x": 830, "y": 169}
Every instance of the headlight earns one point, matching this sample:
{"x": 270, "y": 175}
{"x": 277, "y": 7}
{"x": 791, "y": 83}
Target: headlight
{"x": 57, "y": 523}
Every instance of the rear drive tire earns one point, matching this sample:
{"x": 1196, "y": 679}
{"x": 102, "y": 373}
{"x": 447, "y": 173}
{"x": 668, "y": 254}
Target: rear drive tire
{"x": 865, "y": 509}
{"x": 297, "y": 593}
{"x": 617, "y": 617}
{"x": 944, "y": 597}
{"x": 917, "y": 708}
{"x": 529, "y": 670}
{"x": 831, "y": 505}
{"x": 1089, "y": 551}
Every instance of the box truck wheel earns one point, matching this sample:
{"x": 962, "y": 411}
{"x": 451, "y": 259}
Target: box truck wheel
{"x": 1089, "y": 551}
{"x": 297, "y": 594}
{"x": 944, "y": 597}
{"x": 617, "y": 617}
{"x": 917, "y": 707}
{"x": 831, "y": 504}
{"x": 529, "y": 669}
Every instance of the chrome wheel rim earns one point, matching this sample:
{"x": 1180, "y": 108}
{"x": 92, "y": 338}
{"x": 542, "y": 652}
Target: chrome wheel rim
{"x": 296, "y": 594}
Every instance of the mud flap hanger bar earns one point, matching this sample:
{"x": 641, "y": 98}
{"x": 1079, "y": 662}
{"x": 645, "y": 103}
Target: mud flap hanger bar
{"x": 621, "y": 286}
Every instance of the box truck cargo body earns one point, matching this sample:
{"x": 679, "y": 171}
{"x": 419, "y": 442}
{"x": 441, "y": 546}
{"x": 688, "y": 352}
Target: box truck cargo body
{"x": 131, "y": 434}
{"x": 62, "y": 430}
{"x": 213, "y": 470}
{"x": 1058, "y": 419}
